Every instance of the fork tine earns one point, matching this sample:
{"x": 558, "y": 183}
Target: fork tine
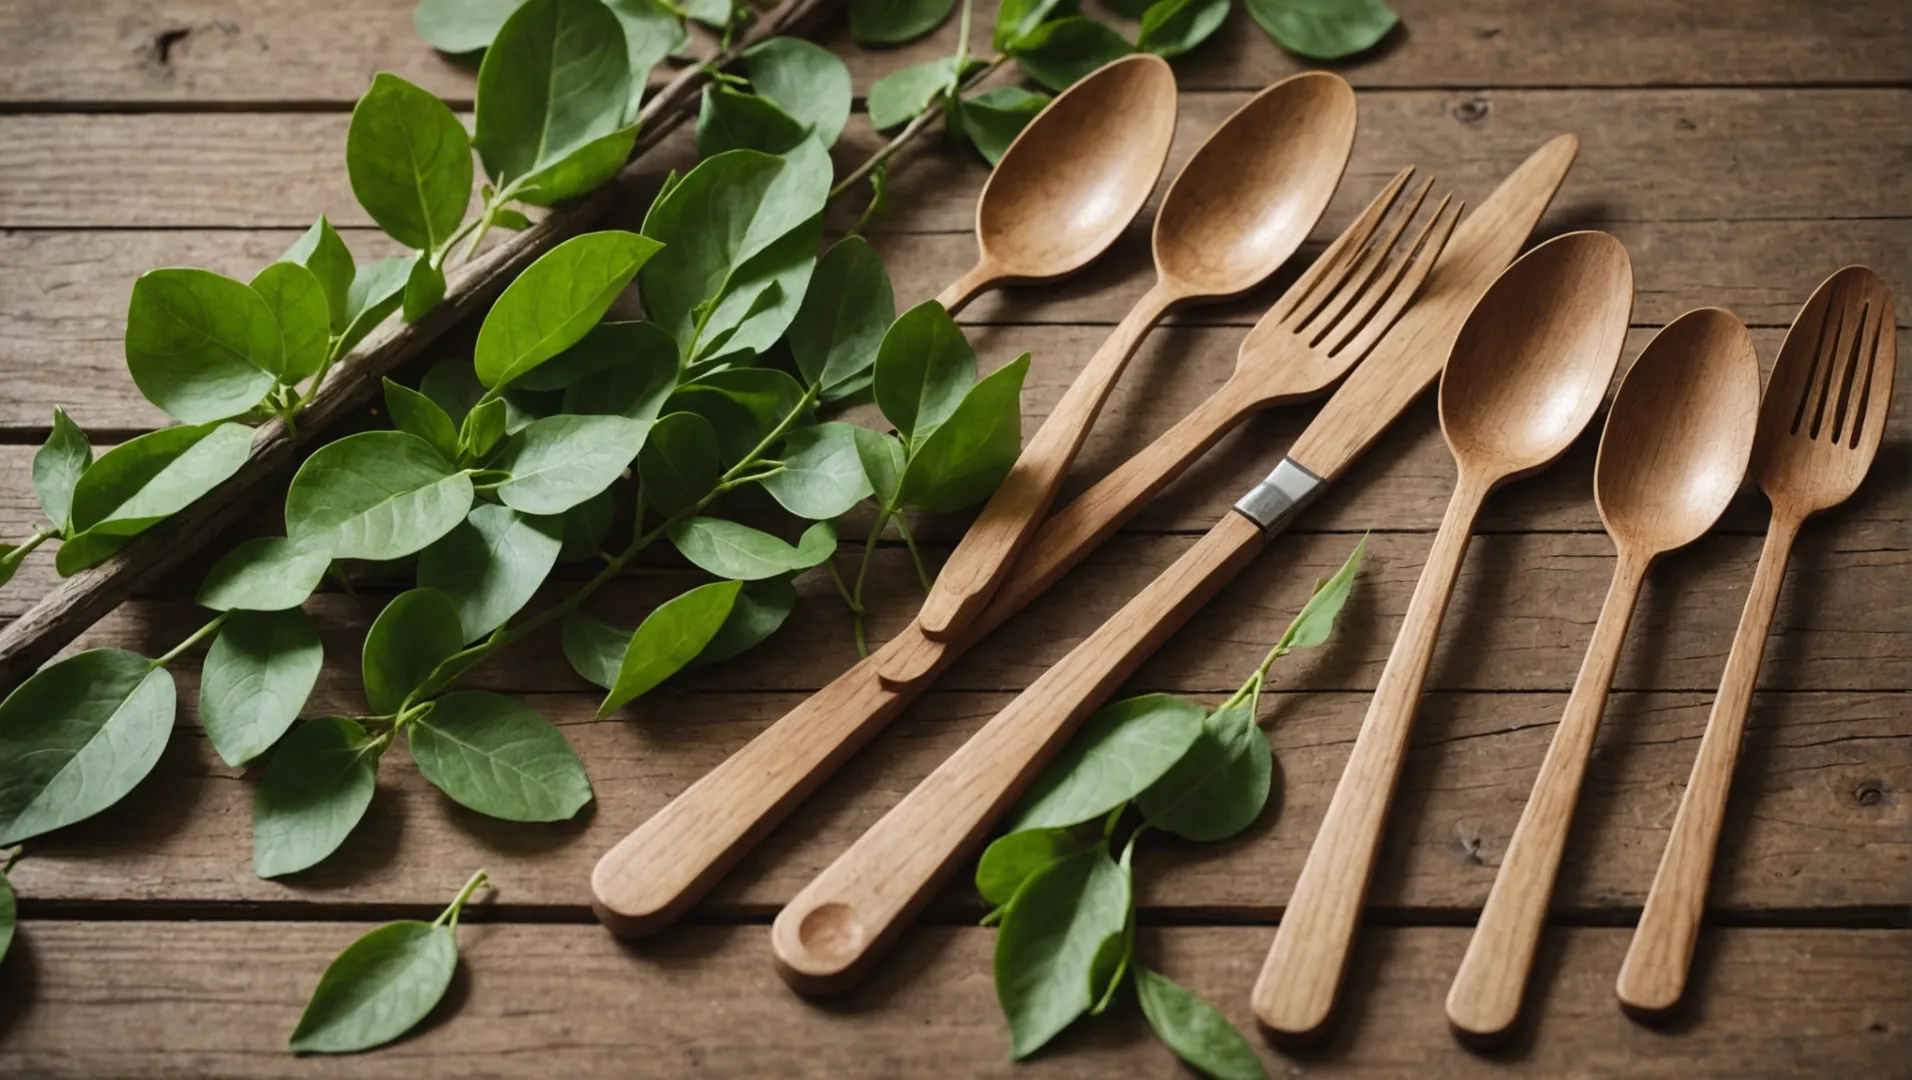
{"x": 1350, "y": 288}
{"x": 1340, "y": 253}
{"x": 1417, "y": 259}
{"x": 1804, "y": 389}
{"x": 1881, "y": 362}
{"x": 1861, "y": 354}
{"x": 1838, "y": 353}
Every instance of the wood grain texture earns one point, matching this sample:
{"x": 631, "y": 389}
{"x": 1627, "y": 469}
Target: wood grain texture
{"x": 212, "y": 1000}
{"x": 273, "y": 53}
{"x": 1639, "y": 150}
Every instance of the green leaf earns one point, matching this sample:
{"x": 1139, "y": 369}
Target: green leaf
{"x": 763, "y": 296}
{"x": 493, "y": 755}
{"x": 300, "y": 307}
{"x": 652, "y": 31}
{"x": 1122, "y": 750}
{"x": 579, "y": 172}
{"x": 604, "y": 347}
{"x": 1193, "y": 1028}
{"x": 482, "y": 429}
{"x": 732, "y": 425}
{"x": 637, "y": 387}
{"x": 556, "y": 77}
{"x": 669, "y": 638}
{"x": 901, "y": 95}
{"x": 679, "y": 462}
{"x": 1220, "y": 786}
{"x": 1012, "y": 861}
{"x": 557, "y": 299}
{"x": 416, "y": 632}
{"x": 200, "y": 346}
{"x": 585, "y": 527}
{"x": 1058, "y": 53}
{"x": 424, "y": 288}
{"x": 720, "y": 217}
{"x": 1316, "y": 620}
{"x": 924, "y": 366}
{"x": 822, "y": 476}
{"x": 1173, "y": 27}
{"x": 320, "y": 250}
{"x": 994, "y": 118}
{"x": 375, "y": 495}
{"x": 760, "y": 608}
{"x": 312, "y": 795}
{"x": 491, "y": 565}
{"x": 377, "y": 289}
{"x": 594, "y": 648}
{"x": 145, "y": 480}
{"x": 768, "y": 393}
{"x": 1324, "y": 29}
{"x": 77, "y": 736}
{"x": 379, "y": 988}
{"x": 731, "y": 119}
{"x": 883, "y": 464}
{"x": 508, "y": 218}
{"x": 461, "y": 26}
{"x": 416, "y": 414}
{"x": 741, "y": 553}
{"x": 965, "y": 458}
{"x": 1016, "y": 18}
{"x": 1047, "y": 948}
{"x": 715, "y": 14}
{"x": 257, "y": 676}
{"x": 265, "y": 573}
{"x": 806, "y": 80}
{"x": 85, "y": 550}
{"x": 8, "y": 914}
{"x": 843, "y": 317}
{"x": 560, "y": 461}
{"x": 892, "y": 22}
{"x": 57, "y": 466}
{"x": 409, "y": 160}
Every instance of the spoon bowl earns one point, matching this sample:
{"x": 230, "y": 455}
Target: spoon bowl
{"x": 1676, "y": 441}
{"x": 1534, "y": 358}
{"x": 1249, "y": 196}
{"x": 1079, "y": 172}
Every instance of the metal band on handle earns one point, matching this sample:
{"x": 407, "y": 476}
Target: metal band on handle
{"x": 1289, "y": 488}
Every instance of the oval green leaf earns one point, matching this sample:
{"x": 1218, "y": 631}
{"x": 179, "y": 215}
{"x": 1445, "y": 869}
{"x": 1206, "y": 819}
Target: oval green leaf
{"x": 378, "y": 989}
{"x": 257, "y": 676}
{"x": 57, "y": 467}
{"x": 1324, "y": 29}
{"x": 1195, "y": 1030}
{"x": 320, "y": 250}
{"x": 375, "y": 495}
{"x": 1059, "y": 52}
{"x": 670, "y": 637}
{"x": 1220, "y": 786}
{"x": 409, "y": 161}
{"x": 200, "y": 346}
{"x": 497, "y": 757}
{"x": 77, "y": 736}
{"x": 741, "y": 553}
{"x": 807, "y": 80}
{"x": 903, "y": 94}
{"x": 416, "y": 414}
{"x": 416, "y": 632}
{"x": 1173, "y": 27}
{"x": 557, "y": 299}
{"x": 844, "y": 315}
{"x": 967, "y": 456}
{"x": 1122, "y": 750}
{"x": 460, "y": 26}
{"x": 266, "y": 573}
{"x": 891, "y": 22}
{"x": 822, "y": 475}
{"x": 491, "y": 565}
{"x": 1051, "y": 935}
{"x": 924, "y": 366}
{"x": 994, "y": 118}
{"x": 761, "y": 608}
{"x": 732, "y": 119}
{"x": 560, "y": 461}
{"x": 312, "y": 795}
{"x": 1012, "y": 861}
{"x": 146, "y": 480}
{"x": 556, "y": 77}
{"x": 304, "y": 315}
{"x": 679, "y": 464}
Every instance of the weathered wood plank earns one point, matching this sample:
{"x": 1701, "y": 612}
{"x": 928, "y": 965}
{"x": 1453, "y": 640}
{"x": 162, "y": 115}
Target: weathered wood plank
{"x": 277, "y": 52}
{"x": 1819, "y": 818}
{"x": 63, "y": 294}
{"x": 206, "y": 1000}
{"x": 1641, "y": 150}
{"x": 1519, "y": 620}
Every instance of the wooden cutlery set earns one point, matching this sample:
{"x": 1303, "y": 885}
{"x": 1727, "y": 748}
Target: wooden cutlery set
{"x": 1410, "y": 291}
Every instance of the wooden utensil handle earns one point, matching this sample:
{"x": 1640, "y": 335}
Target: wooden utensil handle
{"x": 960, "y": 292}
{"x": 666, "y": 864}
{"x": 849, "y": 914}
{"x": 1298, "y": 981}
{"x": 983, "y": 557}
{"x": 1654, "y": 974}
{"x": 1485, "y": 997}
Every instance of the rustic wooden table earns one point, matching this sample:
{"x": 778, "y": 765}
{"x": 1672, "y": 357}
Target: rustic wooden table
{"x": 1741, "y": 150}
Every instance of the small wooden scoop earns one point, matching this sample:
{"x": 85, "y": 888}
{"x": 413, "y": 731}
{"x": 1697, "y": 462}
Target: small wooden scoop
{"x": 1241, "y": 206}
{"x": 1527, "y": 372}
{"x": 1819, "y": 429}
{"x": 1671, "y": 458}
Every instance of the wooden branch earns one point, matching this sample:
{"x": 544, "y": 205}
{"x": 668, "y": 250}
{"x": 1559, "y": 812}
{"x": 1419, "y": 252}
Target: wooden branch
{"x": 81, "y": 600}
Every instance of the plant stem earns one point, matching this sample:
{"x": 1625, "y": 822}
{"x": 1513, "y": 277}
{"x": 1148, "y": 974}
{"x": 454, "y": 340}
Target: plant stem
{"x": 916, "y": 557}
{"x": 193, "y": 639}
{"x": 458, "y": 902}
{"x": 962, "y": 36}
{"x": 25, "y": 547}
{"x": 915, "y": 127}
{"x": 862, "y": 574}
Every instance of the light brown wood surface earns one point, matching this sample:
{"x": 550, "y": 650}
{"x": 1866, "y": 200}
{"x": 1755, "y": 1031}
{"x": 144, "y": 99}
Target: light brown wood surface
{"x": 1820, "y": 426}
{"x": 1527, "y": 371}
{"x": 1740, "y": 151}
{"x": 1672, "y": 453}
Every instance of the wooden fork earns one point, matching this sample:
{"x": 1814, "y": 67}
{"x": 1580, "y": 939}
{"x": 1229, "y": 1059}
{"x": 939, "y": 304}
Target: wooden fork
{"x": 1820, "y": 424}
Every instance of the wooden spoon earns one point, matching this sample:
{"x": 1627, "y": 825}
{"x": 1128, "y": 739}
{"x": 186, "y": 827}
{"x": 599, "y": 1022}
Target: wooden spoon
{"x": 1527, "y": 371}
{"x": 1241, "y": 206}
{"x": 1671, "y": 458}
{"x": 1819, "y": 428}
{"x": 1074, "y": 178}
